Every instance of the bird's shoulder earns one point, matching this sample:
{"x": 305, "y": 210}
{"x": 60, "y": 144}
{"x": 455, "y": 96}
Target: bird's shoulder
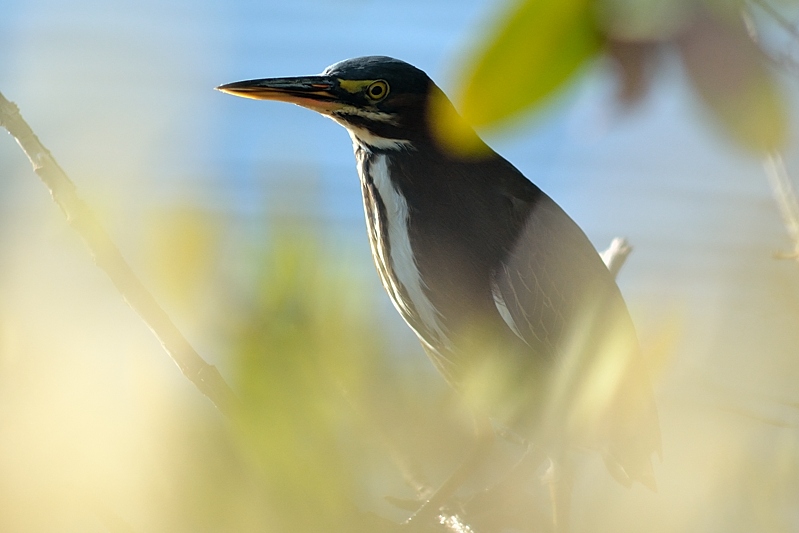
{"x": 550, "y": 272}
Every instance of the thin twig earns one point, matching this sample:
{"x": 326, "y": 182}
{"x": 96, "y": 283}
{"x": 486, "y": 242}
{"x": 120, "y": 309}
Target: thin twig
{"x": 786, "y": 199}
{"x": 108, "y": 257}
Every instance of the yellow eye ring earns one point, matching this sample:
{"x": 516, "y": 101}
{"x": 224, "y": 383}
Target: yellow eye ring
{"x": 377, "y": 91}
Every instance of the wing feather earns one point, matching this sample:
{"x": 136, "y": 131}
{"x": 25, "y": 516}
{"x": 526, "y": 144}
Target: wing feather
{"x": 564, "y": 303}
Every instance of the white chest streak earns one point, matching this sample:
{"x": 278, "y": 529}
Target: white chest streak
{"x": 401, "y": 254}
{"x": 379, "y": 247}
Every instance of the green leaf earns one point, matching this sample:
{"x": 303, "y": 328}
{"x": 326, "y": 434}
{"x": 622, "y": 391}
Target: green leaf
{"x": 539, "y": 47}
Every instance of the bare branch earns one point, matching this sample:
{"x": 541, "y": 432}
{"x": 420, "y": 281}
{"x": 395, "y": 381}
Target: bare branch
{"x": 108, "y": 257}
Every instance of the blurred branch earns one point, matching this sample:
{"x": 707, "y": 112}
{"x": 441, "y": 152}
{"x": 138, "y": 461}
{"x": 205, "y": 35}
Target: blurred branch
{"x": 760, "y": 417}
{"x": 777, "y": 16}
{"x": 785, "y": 195}
{"x": 781, "y": 59}
{"x": 108, "y": 257}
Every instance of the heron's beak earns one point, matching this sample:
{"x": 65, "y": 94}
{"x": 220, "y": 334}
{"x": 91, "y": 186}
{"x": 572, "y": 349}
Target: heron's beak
{"x": 314, "y": 92}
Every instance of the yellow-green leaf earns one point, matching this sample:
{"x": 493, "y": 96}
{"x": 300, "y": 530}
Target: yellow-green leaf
{"x": 539, "y": 47}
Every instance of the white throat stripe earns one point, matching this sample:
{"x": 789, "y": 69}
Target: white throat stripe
{"x": 367, "y": 140}
{"x": 401, "y": 253}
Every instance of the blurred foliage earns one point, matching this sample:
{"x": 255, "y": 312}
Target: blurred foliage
{"x": 542, "y": 45}
{"x": 301, "y": 347}
{"x": 730, "y": 74}
{"x": 538, "y": 47}
{"x": 331, "y": 414}
{"x": 180, "y": 246}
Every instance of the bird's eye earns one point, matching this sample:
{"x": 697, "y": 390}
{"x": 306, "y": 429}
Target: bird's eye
{"x": 377, "y": 91}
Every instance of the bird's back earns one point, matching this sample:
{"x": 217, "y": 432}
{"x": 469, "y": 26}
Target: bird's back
{"x": 561, "y": 298}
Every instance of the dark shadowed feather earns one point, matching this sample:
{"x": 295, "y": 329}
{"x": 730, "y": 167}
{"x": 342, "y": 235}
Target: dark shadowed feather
{"x": 565, "y": 304}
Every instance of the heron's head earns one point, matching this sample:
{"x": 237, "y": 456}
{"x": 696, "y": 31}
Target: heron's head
{"x": 385, "y": 103}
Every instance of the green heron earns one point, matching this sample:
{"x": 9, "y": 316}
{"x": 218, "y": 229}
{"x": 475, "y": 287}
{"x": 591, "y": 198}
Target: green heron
{"x": 507, "y": 295}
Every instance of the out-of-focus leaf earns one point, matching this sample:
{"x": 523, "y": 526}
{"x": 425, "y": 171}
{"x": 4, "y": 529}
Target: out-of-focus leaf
{"x": 538, "y": 48}
{"x": 644, "y": 20}
{"x": 731, "y": 77}
{"x": 636, "y": 61}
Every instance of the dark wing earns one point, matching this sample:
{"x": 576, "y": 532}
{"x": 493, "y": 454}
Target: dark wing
{"x": 555, "y": 292}
{"x": 551, "y": 275}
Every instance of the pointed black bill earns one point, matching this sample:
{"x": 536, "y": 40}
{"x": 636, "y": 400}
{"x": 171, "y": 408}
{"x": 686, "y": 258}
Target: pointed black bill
{"x": 314, "y": 92}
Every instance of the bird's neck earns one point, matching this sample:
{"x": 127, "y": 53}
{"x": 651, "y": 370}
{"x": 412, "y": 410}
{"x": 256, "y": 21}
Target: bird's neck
{"x": 363, "y": 139}
{"x": 388, "y": 227}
